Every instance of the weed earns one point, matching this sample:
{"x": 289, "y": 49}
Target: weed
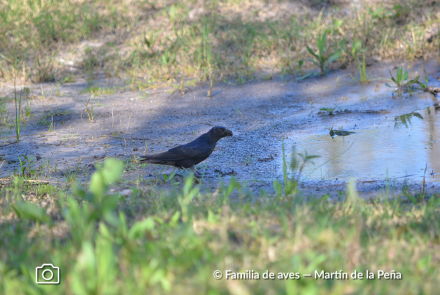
{"x": 321, "y": 59}
{"x": 89, "y": 111}
{"x": 400, "y": 79}
{"x": 300, "y": 64}
{"x": 329, "y": 110}
{"x": 71, "y": 175}
{"x": 290, "y": 184}
{"x": 28, "y": 109}
{"x": 47, "y": 118}
{"x": 355, "y": 51}
{"x": 51, "y": 126}
{"x": 44, "y": 70}
{"x": 424, "y": 86}
{"x": 68, "y": 79}
{"x": 299, "y": 161}
{"x": 26, "y": 169}
{"x": 89, "y": 63}
{"x": 98, "y": 91}
{"x": 57, "y": 92}
{"x": 168, "y": 178}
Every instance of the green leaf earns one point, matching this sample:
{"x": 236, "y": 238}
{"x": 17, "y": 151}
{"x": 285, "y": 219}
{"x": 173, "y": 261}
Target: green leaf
{"x": 321, "y": 43}
{"x": 357, "y": 45}
{"x": 112, "y": 170}
{"x": 334, "y": 56}
{"x": 140, "y": 228}
{"x": 104, "y": 176}
{"x": 415, "y": 80}
{"x": 314, "y": 62}
{"x": 388, "y": 85}
{"x": 390, "y": 74}
{"x": 97, "y": 185}
{"x": 413, "y": 200}
{"x": 311, "y": 52}
{"x": 337, "y": 23}
{"x": 174, "y": 219}
{"x": 405, "y": 75}
{"x": 305, "y": 76}
{"x": 399, "y": 75}
{"x": 27, "y": 210}
{"x": 109, "y": 203}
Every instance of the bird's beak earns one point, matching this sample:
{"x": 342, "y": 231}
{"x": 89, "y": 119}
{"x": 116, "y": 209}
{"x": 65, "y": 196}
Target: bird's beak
{"x": 228, "y": 132}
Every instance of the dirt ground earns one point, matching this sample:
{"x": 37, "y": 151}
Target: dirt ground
{"x": 261, "y": 114}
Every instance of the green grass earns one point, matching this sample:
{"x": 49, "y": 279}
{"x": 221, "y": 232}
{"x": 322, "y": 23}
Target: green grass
{"x": 162, "y": 41}
{"x": 46, "y": 119}
{"x": 98, "y": 91}
{"x": 173, "y": 241}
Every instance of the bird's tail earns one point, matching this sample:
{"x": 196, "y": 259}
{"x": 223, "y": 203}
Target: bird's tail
{"x": 147, "y": 158}
{"x": 154, "y": 159}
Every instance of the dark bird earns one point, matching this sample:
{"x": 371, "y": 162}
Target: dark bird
{"x": 190, "y": 154}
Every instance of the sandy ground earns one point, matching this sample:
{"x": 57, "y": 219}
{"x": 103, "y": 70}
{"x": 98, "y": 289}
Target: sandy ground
{"x": 262, "y": 114}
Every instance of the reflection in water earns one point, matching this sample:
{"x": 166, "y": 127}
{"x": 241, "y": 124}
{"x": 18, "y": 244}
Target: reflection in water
{"x": 380, "y": 152}
{"x": 406, "y": 118}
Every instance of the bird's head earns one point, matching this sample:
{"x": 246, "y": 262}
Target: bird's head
{"x": 219, "y": 132}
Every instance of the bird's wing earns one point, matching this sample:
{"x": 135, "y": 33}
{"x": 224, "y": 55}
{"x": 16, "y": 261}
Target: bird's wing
{"x": 195, "y": 149}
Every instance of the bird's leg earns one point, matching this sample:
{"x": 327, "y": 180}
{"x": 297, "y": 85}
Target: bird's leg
{"x": 195, "y": 172}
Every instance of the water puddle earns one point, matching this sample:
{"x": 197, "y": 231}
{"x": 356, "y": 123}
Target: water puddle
{"x": 399, "y": 148}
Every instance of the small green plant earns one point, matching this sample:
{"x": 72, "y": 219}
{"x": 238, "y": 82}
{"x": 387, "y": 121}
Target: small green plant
{"x": 89, "y": 111}
{"x": 321, "y": 59}
{"x": 299, "y": 161}
{"x": 44, "y": 70}
{"x": 98, "y": 91}
{"x": 168, "y": 178}
{"x": 355, "y": 51}
{"x": 400, "y": 79}
{"x": 17, "y": 114}
{"x": 290, "y": 186}
{"x": 26, "y": 167}
{"x": 329, "y": 110}
{"x": 168, "y": 58}
{"x": 300, "y": 66}
{"x": 90, "y": 62}
{"x": 51, "y": 126}
{"x": 27, "y": 109}
{"x": 57, "y": 92}
{"x": 424, "y": 86}
{"x": 68, "y": 79}
{"x": 71, "y": 175}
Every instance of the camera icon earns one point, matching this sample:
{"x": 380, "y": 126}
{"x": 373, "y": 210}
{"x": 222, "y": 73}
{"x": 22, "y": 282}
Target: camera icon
{"x": 47, "y": 274}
